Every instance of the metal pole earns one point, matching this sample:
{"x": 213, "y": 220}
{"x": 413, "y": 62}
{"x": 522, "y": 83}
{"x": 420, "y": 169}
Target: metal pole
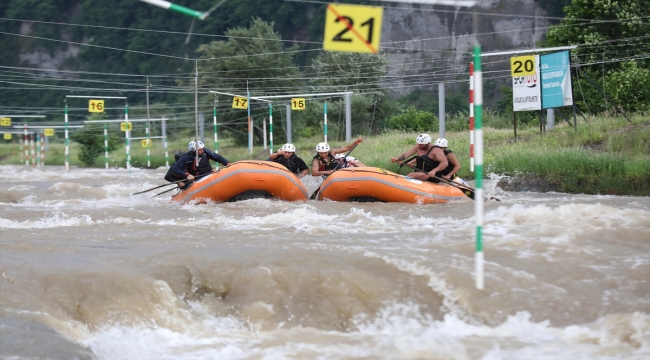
{"x": 250, "y": 125}
{"x": 288, "y": 123}
{"x": 478, "y": 196}
{"x": 325, "y": 115}
{"x": 270, "y": 128}
{"x": 38, "y": 150}
{"x": 67, "y": 141}
{"x": 196, "y": 108}
{"x": 43, "y": 149}
{"x": 471, "y": 116}
{"x": 550, "y": 119}
{"x": 348, "y": 118}
{"x": 264, "y": 132}
{"x": 127, "y": 135}
{"x": 26, "y": 147}
{"x": 147, "y": 129}
{"x": 214, "y": 117}
{"x": 106, "y": 145}
{"x": 441, "y": 110}
{"x": 164, "y": 136}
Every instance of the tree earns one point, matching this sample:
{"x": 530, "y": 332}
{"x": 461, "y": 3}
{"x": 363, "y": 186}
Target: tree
{"x": 91, "y": 140}
{"x": 251, "y": 59}
{"x": 610, "y": 35}
{"x": 361, "y": 73}
{"x": 411, "y": 119}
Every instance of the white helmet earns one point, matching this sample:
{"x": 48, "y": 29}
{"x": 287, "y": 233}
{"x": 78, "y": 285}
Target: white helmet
{"x": 322, "y": 147}
{"x": 441, "y": 142}
{"x": 423, "y": 139}
{"x": 192, "y": 145}
{"x": 339, "y": 156}
{"x": 288, "y": 147}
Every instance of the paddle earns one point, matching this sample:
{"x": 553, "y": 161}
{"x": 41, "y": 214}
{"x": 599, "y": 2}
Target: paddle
{"x": 171, "y": 183}
{"x": 468, "y": 191}
{"x": 313, "y": 196}
{"x": 160, "y": 193}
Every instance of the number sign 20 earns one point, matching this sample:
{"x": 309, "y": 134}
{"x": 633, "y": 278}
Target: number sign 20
{"x": 522, "y": 65}
{"x": 353, "y": 28}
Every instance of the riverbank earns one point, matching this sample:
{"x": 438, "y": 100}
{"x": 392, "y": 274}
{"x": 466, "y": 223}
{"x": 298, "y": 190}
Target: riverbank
{"x": 604, "y": 155}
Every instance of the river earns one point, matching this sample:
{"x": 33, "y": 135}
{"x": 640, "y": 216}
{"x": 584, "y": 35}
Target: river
{"x": 90, "y": 271}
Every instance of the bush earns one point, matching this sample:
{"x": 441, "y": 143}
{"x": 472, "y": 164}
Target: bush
{"x": 413, "y": 120}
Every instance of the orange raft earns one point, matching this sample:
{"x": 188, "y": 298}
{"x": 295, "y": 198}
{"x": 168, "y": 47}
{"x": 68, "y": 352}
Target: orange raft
{"x": 244, "y": 180}
{"x": 366, "y": 184}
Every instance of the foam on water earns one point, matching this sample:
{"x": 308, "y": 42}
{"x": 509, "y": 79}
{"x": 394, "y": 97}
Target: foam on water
{"x": 399, "y": 331}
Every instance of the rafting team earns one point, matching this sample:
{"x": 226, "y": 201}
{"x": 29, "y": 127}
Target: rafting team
{"x": 431, "y": 162}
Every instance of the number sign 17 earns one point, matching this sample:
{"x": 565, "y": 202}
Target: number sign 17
{"x": 239, "y": 102}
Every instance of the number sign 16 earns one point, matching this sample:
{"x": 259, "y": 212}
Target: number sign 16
{"x": 96, "y": 106}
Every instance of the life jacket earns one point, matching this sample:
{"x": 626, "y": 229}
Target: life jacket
{"x": 291, "y": 163}
{"x": 425, "y": 163}
{"x": 325, "y": 165}
{"x": 449, "y": 167}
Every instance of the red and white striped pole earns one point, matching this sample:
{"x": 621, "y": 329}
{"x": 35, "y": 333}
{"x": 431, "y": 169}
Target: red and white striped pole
{"x": 471, "y": 116}
{"x": 31, "y": 149}
{"x": 42, "y": 149}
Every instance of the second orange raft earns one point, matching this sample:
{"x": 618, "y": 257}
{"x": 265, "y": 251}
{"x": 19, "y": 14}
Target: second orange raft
{"x": 374, "y": 184}
{"x": 245, "y": 180}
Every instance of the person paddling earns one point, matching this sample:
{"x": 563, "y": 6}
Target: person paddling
{"x": 186, "y": 167}
{"x": 348, "y": 162}
{"x": 325, "y": 163}
{"x": 429, "y": 159}
{"x": 453, "y": 166}
{"x": 287, "y": 157}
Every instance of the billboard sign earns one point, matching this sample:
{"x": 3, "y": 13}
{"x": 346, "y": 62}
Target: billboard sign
{"x": 526, "y": 94}
{"x": 556, "y": 80}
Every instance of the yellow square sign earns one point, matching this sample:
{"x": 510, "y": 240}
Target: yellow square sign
{"x": 48, "y": 132}
{"x": 522, "y": 65}
{"x": 5, "y": 121}
{"x": 355, "y": 28}
{"x": 126, "y": 126}
{"x": 96, "y": 106}
{"x": 146, "y": 143}
{"x": 239, "y": 103}
{"x": 298, "y": 104}
{"x": 7, "y": 136}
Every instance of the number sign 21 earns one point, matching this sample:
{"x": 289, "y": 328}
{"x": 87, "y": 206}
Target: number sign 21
{"x": 353, "y": 28}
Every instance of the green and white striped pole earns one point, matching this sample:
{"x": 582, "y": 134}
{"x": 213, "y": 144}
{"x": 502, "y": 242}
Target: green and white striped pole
{"x": 325, "y": 123}
{"x": 178, "y": 8}
{"x": 147, "y": 129}
{"x": 67, "y": 140}
{"x": 478, "y": 197}
{"x": 126, "y": 136}
{"x": 38, "y": 150}
{"x": 106, "y": 145}
{"x": 214, "y": 115}
{"x": 270, "y": 128}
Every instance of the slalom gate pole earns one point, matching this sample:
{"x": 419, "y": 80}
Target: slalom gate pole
{"x": 126, "y": 137}
{"x": 471, "y": 116}
{"x": 42, "y": 149}
{"x": 26, "y": 147}
{"x": 478, "y": 200}
{"x": 38, "y": 150}
{"x": 325, "y": 121}
{"x": 214, "y": 117}
{"x": 67, "y": 139}
{"x": 270, "y": 128}
{"x": 106, "y": 145}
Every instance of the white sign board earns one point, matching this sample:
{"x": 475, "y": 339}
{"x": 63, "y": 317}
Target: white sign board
{"x": 526, "y": 91}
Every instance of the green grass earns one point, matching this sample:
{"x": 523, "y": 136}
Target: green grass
{"x": 609, "y": 155}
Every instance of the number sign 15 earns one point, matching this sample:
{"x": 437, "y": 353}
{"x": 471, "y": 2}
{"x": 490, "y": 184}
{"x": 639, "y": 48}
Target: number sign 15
{"x": 298, "y": 104}
{"x": 522, "y": 65}
{"x": 355, "y": 28}
{"x": 96, "y": 106}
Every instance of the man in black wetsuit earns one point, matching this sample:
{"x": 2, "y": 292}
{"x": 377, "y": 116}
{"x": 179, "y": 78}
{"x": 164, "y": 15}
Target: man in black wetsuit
{"x": 429, "y": 158}
{"x": 186, "y": 167}
{"x": 287, "y": 157}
